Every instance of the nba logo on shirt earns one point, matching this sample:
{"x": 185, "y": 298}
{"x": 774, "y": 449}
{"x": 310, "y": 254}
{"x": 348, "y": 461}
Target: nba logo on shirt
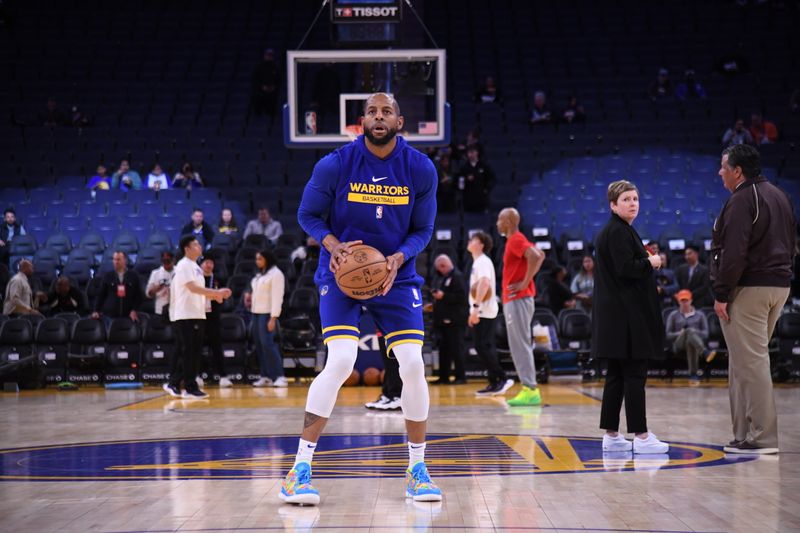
{"x": 379, "y": 212}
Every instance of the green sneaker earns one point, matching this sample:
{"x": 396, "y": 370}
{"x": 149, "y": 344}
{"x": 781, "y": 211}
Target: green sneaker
{"x": 526, "y": 396}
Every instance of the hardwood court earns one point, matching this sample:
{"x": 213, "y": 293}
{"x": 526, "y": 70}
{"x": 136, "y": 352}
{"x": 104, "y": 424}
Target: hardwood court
{"x": 124, "y": 461}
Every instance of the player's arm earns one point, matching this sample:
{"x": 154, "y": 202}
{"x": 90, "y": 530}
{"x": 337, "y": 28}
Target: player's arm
{"x": 318, "y": 197}
{"x": 422, "y": 219}
{"x": 215, "y": 294}
{"x": 534, "y": 258}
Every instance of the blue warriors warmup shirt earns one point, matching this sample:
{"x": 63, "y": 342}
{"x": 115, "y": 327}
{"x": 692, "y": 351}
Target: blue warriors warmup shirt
{"x": 389, "y": 204}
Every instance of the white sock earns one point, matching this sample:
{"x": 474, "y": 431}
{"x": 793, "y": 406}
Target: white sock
{"x": 305, "y": 452}
{"x": 416, "y": 454}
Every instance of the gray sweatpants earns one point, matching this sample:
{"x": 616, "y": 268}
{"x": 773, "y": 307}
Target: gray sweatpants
{"x": 518, "y": 315}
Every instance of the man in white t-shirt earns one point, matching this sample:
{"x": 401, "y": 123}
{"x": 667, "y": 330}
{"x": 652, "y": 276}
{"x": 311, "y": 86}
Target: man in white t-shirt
{"x": 483, "y": 312}
{"x": 159, "y": 282}
{"x": 187, "y": 311}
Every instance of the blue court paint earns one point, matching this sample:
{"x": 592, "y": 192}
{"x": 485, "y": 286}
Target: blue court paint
{"x": 338, "y": 456}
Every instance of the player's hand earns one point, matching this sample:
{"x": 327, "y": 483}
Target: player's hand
{"x": 393, "y": 264}
{"x": 721, "y": 309}
{"x": 473, "y": 319}
{"x": 340, "y": 252}
{"x": 225, "y": 293}
{"x": 516, "y": 286}
{"x": 271, "y": 324}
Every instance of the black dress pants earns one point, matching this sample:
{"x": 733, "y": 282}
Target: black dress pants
{"x": 451, "y": 350}
{"x": 189, "y": 343}
{"x": 625, "y": 380}
{"x": 213, "y": 340}
{"x": 392, "y": 384}
{"x": 483, "y": 339}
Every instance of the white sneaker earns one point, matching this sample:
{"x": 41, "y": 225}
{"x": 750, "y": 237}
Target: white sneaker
{"x": 616, "y": 444}
{"x": 225, "y": 382}
{"x": 507, "y": 385}
{"x": 280, "y": 382}
{"x": 262, "y": 382}
{"x": 649, "y": 445}
{"x": 199, "y": 381}
{"x": 376, "y": 403}
{"x": 385, "y": 404}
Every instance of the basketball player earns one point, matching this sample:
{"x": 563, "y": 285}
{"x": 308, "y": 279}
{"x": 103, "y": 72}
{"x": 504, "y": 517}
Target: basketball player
{"x": 379, "y": 191}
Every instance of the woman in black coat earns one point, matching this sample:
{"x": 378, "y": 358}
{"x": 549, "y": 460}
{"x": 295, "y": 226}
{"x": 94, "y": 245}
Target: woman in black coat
{"x": 627, "y": 329}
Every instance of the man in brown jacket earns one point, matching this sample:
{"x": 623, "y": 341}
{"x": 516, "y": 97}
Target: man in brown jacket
{"x": 752, "y": 250}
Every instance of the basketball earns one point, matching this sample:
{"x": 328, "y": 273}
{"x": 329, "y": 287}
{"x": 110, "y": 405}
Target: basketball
{"x": 473, "y": 291}
{"x": 372, "y": 377}
{"x": 353, "y": 380}
{"x": 362, "y": 275}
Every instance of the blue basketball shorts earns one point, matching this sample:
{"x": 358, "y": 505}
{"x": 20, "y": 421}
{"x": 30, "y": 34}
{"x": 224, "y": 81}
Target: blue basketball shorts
{"x": 398, "y": 315}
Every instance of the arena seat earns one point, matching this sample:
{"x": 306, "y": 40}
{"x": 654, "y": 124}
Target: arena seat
{"x": 16, "y": 345}
{"x": 158, "y": 349}
{"x": 51, "y": 347}
{"x": 45, "y": 265}
{"x": 123, "y": 350}
{"x": 233, "y": 333}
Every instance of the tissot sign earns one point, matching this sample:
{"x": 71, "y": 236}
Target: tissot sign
{"x": 377, "y": 12}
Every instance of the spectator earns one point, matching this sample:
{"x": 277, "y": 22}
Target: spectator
{"x": 267, "y": 288}
{"x": 308, "y": 252}
{"x": 582, "y": 285}
{"x": 8, "y": 230}
{"x": 244, "y": 308}
{"x": 737, "y": 135}
{"x": 661, "y": 88}
{"x": 483, "y": 313}
{"x": 478, "y": 181}
{"x": 159, "y": 282}
{"x": 227, "y": 223}
{"x": 64, "y": 298}
{"x": 100, "y": 181}
{"x": 78, "y": 118}
{"x": 690, "y": 88}
{"x": 573, "y": 113}
{"x": 213, "y": 337}
{"x": 19, "y": 298}
{"x": 199, "y": 228}
{"x": 458, "y": 151}
{"x": 187, "y": 178}
{"x": 488, "y": 93}
{"x": 450, "y": 308}
{"x": 540, "y": 113}
{"x": 120, "y": 292}
{"x": 125, "y": 178}
{"x": 157, "y": 180}
{"x": 666, "y": 285}
{"x": 687, "y": 330}
{"x": 693, "y": 275}
{"x": 264, "y": 225}
{"x": 558, "y": 294}
{"x": 446, "y": 191}
{"x": 762, "y": 131}
{"x": 52, "y": 116}
{"x": 266, "y": 77}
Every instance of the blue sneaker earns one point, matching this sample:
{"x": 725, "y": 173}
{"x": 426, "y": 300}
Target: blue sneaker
{"x": 419, "y": 485}
{"x": 297, "y": 488}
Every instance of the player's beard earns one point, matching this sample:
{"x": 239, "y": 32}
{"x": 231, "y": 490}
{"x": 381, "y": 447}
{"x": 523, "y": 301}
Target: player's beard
{"x": 390, "y": 133}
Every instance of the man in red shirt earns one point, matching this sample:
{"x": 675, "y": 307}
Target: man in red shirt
{"x": 521, "y": 261}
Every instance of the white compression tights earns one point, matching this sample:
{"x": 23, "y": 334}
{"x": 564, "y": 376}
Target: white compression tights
{"x": 341, "y": 358}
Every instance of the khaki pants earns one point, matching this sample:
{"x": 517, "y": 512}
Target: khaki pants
{"x": 753, "y": 312}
